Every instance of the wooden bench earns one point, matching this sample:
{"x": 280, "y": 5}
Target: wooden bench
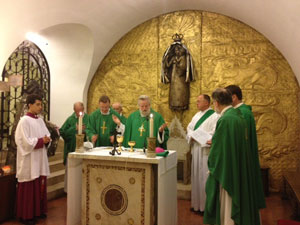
{"x": 291, "y": 191}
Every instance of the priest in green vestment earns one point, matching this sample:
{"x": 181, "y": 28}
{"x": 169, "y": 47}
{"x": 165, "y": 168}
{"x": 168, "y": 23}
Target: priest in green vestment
{"x": 69, "y": 130}
{"x": 137, "y": 126}
{"x": 103, "y": 122}
{"x": 229, "y": 188}
{"x": 246, "y": 110}
{"x": 117, "y": 106}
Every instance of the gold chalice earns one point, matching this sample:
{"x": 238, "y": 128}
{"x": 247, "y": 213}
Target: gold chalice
{"x": 131, "y": 144}
{"x": 120, "y": 139}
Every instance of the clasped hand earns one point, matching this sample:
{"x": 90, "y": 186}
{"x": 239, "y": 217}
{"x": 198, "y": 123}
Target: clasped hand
{"x": 46, "y": 139}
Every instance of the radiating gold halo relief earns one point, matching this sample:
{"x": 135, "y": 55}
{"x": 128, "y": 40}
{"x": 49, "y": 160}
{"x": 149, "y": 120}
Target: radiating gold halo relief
{"x": 225, "y": 51}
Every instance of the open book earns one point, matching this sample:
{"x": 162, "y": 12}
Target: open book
{"x": 201, "y": 136}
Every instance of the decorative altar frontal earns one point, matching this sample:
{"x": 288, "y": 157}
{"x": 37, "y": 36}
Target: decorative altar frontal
{"x": 123, "y": 189}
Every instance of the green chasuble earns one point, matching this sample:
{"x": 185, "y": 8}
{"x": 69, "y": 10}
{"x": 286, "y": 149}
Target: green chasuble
{"x": 123, "y": 119}
{"x": 103, "y": 126}
{"x": 251, "y": 129}
{"x": 203, "y": 118}
{"x": 137, "y": 129}
{"x": 68, "y": 133}
{"x": 229, "y": 167}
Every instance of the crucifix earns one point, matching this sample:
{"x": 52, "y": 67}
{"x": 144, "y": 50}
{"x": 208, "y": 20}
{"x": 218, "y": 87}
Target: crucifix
{"x": 103, "y": 127}
{"x": 141, "y": 129}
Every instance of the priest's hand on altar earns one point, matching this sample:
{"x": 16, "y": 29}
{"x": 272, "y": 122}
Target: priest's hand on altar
{"x": 46, "y": 139}
{"x": 162, "y": 127}
{"x": 116, "y": 120}
{"x": 94, "y": 138}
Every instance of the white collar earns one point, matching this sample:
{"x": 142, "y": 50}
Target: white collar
{"x": 225, "y": 109}
{"x": 203, "y": 112}
{"x": 105, "y": 113}
{"x": 238, "y": 105}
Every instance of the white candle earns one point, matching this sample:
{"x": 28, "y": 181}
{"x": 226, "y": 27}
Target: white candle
{"x": 80, "y": 123}
{"x": 151, "y": 125}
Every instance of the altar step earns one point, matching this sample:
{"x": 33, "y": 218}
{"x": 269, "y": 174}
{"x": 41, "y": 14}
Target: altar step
{"x": 183, "y": 191}
{"x": 55, "y": 182}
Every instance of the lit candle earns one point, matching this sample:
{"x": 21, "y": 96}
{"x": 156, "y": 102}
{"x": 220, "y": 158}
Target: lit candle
{"x": 80, "y": 123}
{"x": 151, "y": 125}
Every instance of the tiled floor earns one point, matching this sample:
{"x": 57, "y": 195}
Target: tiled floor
{"x": 276, "y": 209}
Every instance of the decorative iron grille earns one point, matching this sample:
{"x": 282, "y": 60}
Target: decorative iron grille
{"x": 28, "y": 61}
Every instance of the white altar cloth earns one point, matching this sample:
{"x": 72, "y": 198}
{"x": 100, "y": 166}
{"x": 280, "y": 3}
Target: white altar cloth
{"x": 166, "y": 181}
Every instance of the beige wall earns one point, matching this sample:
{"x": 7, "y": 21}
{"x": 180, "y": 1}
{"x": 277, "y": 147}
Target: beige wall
{"x": 105, "y": 22}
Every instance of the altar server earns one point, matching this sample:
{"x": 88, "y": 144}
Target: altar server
{"x": 32, "y": 137}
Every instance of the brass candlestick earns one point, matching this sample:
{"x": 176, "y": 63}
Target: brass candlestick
{"x": 79, "y": 143}
{"x": 151, "y": 147}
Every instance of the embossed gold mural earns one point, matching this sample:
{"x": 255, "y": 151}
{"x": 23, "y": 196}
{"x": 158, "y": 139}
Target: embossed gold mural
{"x": 225, "y": 51}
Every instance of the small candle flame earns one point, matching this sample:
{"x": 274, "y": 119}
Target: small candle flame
{"x": 80, "y": 113}
{"x": 151, "y": 115}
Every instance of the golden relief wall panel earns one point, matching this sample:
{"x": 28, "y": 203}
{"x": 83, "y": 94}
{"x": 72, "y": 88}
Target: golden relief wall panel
{"x": 225, "y": 51}
{"x": 128, "y": 70}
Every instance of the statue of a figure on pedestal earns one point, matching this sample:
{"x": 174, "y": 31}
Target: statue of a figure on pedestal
{"x": 177, "y": 69}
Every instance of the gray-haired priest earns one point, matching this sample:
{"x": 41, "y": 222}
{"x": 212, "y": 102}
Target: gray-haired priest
{"x": 138, "y": 125}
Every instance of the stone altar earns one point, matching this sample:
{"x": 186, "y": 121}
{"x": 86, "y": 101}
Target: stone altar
{"x": 124, "y": 189}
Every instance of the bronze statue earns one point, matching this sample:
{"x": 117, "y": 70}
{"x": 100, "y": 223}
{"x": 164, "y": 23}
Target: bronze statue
{"x": 177, "y": 69}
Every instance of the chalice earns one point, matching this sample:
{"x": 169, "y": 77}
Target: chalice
{"x": 131, "y": 144}
{"x": 120, "y": 139}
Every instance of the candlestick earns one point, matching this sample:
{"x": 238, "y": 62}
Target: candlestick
{"x": 80, "y": 123}
{"x": 79, "y": 143}
{"x": 151, "y": 125}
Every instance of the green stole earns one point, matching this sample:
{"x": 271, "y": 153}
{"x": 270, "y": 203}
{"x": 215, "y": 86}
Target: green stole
{"x": 203, "y": 118}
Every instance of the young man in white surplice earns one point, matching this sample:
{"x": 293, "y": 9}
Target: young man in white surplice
{"x": 32, "y": 137}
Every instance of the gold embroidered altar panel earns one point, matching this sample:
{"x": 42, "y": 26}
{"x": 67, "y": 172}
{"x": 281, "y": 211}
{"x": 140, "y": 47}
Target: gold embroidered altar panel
{"x": 225, "y": 51}
{"x": 116, "y": 193}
